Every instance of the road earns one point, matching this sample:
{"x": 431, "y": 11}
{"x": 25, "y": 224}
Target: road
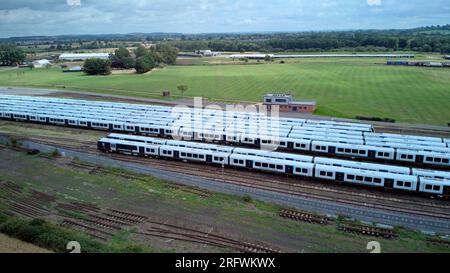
{"x": 416, "y": 222}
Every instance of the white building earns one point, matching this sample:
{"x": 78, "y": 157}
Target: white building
{"x": 41, "y": 63}
{"x": 83, "y": 56}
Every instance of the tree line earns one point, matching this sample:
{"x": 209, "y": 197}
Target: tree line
{"x": 427, "y": 39}
{"x": 11, "y": 55}
{"x": 141, "y": 59}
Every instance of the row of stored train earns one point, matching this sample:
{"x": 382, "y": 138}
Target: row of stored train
{"x": 428, "y": 182}
{"x": 299, "y": 135}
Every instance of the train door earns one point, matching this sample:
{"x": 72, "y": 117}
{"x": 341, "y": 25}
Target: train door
{"x": 161, "y": 132}
{"x": 372, "y": 154}
{"x": 446, "y": 191}
{"x": 176, "y": 154}
{"x": 289, "y": 170}
{"x": 339, "y": 177}
{"x": 66, "y": 122}
{"x": 111, "y": 127}
{"x": 332, "y": 150}
{"x": 113, "y": 147}
{"x": 389, "y": 183}
{"x": 290, "y": 145}
{"x": 136, "y": 129}
{"x": 249, "y": 164}
{"x": 89, "y": 124}
{"x": 257, "y": 141}
{"x": 141, "y": 151}
{"x": 209, "y": 158}
{"x": 419, "y": 158}
{"x": 47, "y": 120}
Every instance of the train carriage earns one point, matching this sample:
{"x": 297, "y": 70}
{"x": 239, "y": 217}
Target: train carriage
{"x": 434, "y": 186}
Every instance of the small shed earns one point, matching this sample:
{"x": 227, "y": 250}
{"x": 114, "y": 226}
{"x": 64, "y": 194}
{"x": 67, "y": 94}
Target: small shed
{"x": 286, "y": 103}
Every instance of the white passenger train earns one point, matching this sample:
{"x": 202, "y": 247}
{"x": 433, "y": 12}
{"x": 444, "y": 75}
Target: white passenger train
{"x": 374, "y": 175}
{"x": 334, "y": 138}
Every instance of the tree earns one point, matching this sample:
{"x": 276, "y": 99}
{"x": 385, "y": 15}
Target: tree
{"x": 140, "y": 51}
{"x": 169, "y": 53}
{"x": 145, "y": 63}
{"x": 122, "y": 53}
{"x": 267, "y": 58}
{"x": 182, "y": 89}
{"x": 97, "y": 67}
{"x": 11, "y": 55}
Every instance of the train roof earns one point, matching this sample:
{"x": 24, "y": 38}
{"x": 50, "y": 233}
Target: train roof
{"x": 362, "y": 165}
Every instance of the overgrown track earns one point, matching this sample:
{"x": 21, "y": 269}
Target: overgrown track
{"x": 368, "y": 230}
{"x": 176, "y": 232}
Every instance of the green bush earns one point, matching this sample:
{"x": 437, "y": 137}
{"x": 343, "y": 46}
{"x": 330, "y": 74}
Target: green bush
{"x": 97, "y": 67}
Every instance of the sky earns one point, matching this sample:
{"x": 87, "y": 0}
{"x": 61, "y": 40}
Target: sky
{"x": 58, "y": 17}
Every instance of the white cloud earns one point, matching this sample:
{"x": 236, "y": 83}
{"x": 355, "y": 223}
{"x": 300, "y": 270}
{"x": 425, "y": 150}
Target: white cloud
{"x": 374, "y": 2}
{"x": 74, "y": 2}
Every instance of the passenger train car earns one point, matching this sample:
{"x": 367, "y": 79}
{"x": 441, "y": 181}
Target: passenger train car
{"x": 334, "y": 138}
{"x": 435, "y": 183}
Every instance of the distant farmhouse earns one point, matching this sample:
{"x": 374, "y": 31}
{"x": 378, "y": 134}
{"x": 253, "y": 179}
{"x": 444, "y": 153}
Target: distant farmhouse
{"x": 287, "y": 104}
{"x": 41, "y": 63}
{"x": 83, "y": 56}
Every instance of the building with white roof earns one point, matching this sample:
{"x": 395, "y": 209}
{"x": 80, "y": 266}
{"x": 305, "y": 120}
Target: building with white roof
{"x": 83, "y": 56}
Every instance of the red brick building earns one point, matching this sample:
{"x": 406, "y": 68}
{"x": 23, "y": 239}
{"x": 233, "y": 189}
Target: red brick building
{"x": 287, "y": 104}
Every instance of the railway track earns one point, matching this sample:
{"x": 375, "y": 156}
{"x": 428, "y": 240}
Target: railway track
{"x": 368, "y": 230}
{"x": 175, "y": 232}
{"x": 304, "y": 216}
{"x": 291, "y": 187}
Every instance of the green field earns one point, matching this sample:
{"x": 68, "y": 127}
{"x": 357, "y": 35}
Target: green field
{"x": 343, "y": 88}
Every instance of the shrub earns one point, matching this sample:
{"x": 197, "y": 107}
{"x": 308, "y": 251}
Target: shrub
{"x": 247, "y": 198}
{"x": 97, "y": 67}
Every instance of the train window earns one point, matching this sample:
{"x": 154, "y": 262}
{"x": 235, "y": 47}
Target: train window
{"x": 438, "y": 160}
{"x": 282, "y": 143}
{"x": 408, "y": 184}
{"x": 272, "y": 166}
{"x": 183, "y": 154}
{"x": 368, "y": 179}
{"x": 400, "y": 183}
{"x": 322, "y": 173}
{"x": 153, "y": 150}
{"x": 410, "y": 157}
{"x": 241, "y": 161}
{"x": 216, "y": 158}
{"x": 380, "y": 154}
{"x": 386, "y": 154}
{"x": 359, "y": 178}
{"x": 348, "y": 150}
{"x": 436, "y": 188}
{"x": 377, "y": 180}
{"x": 403, "y": 156}
{"x": 341, "y": 150}
{"x": 201, "y": 156}
{"x": 279, "y": 167}
{"x": 265, "y": 165}
{"x": 354, "y": 151}
{"x": 257, "y": 164}
{"x": 361, "y": 152}
{"x": 330, "y": 174}
{"x": 304, "y": 170}
{"x": 299, "y": 170}
{"x": 428, "y": 187}
{"x": 350, "y": 176}
{"x": 236, "y": 161}
{"x": 445, "y": 160}
{"x": 429, "y": 158}
{"x": 195, "y": 155}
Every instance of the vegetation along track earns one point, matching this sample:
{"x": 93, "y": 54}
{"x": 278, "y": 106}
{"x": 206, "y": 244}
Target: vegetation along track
{"x": 291, "y": 186}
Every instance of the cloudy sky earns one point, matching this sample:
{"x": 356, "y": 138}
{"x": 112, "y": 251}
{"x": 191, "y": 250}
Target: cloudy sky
{"x": 54, "y": 17}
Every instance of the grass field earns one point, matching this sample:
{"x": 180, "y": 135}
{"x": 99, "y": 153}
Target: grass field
{"x": 343, "y": 88}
